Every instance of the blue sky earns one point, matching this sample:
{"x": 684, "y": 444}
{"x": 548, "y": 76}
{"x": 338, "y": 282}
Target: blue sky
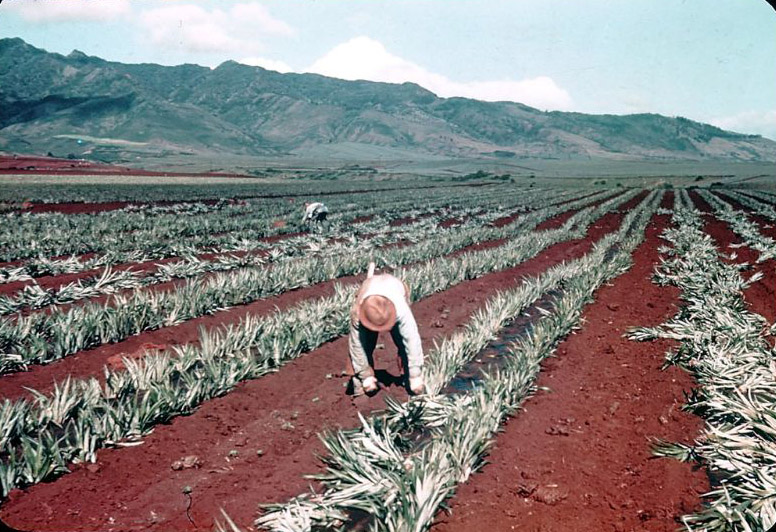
{"x": 712, "y": 61}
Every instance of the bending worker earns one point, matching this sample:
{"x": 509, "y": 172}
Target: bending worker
{"x": 382, "y": 304}
{"x": 314, "y": 212}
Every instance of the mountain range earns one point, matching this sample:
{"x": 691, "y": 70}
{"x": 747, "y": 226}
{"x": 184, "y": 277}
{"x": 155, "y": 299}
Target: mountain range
{"x": 85, "y": 106}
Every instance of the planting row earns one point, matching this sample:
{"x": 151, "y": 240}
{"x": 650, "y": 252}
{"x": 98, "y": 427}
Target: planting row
{"x": 106, "y": 189}
{"x": 369, "y": 235}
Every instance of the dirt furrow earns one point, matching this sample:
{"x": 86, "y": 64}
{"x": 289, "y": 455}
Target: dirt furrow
{"x": 256, "y": 443}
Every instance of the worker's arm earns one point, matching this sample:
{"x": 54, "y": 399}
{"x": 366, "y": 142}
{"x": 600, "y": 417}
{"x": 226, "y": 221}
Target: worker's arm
{"x": 408, "y": 328}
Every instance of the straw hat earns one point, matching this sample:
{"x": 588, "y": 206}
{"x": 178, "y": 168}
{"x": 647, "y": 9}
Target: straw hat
{"x": 377, "y": 313}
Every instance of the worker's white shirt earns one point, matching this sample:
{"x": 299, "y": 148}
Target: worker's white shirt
{"x": 310, "y": 210}
{"x": 395, "y": 290}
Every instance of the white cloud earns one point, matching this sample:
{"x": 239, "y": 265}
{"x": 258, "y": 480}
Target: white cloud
{"x": 44, "y": 11}
{"x": 751, "y": 122}
{"x": 365, "y": 58}
{"x": 257, "y": 17}
{"x": 269, "y": 64}
{"x": 239, "y": 29}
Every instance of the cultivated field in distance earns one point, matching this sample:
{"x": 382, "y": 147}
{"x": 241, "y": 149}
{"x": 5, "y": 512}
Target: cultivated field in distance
{"x": 599, "y": 350}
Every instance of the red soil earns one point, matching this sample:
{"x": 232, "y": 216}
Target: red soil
{"x": 279, "y": 414}
{"x": 409, "y": 219}
{"x": 34, "y": 164}
{"x": 31, "y": 164}
{"x": 506, "y": 220}
{"x": 578, "y": 457}
{"x": 558, "y": 221}
{"x": 450, "y": 222}
{"x": 89, "y": 363}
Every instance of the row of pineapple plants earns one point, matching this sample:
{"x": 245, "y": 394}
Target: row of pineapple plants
{"x": 357, "y": 238}
{"x": 754, "y": 202}
{"x": 381, "y": 470}
{"x": 43, "y": 337}
{"x": 238, "y": 240}
{"x": 55, "y": 233}
{"x": 762, "y": 195}
{"x": 38, "y": 338}
{"x": 252, "y": 220}
{"x": 108, "y": 281}
{"x": 102, "y": 189}
{"x": 726, "y": 348}
{"x": 42, "y": 435}
{"x": 742, "y": 225}
{"x": 50, "y": 234}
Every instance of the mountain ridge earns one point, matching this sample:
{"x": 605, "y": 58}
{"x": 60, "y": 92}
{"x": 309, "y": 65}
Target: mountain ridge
{"x": 49, "y": 101}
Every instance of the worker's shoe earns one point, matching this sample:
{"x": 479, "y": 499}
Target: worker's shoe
{"x": 417, "y": 384}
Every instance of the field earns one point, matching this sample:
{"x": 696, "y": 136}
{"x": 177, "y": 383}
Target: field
{"x": 599, "y": 354}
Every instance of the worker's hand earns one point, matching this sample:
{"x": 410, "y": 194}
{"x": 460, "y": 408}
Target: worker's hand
{"x": 370, "y": 385}
{"x": 417, "y": 383}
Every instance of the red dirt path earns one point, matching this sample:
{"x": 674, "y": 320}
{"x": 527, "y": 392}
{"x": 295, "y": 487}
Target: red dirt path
{"x": 280, "y": 414}
{"x": 37, "y": 165}
{"x": 578, "y": 457}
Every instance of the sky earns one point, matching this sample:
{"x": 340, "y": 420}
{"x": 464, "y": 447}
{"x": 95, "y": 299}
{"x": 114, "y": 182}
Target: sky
{"x": 711, "y": 61}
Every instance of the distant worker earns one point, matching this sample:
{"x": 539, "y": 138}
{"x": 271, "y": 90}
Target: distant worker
{"x": 315, "y": 212}
{"x": 382, "y": 304}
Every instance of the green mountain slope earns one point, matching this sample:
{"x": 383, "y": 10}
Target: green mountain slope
{"x": 119, "y": 112}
